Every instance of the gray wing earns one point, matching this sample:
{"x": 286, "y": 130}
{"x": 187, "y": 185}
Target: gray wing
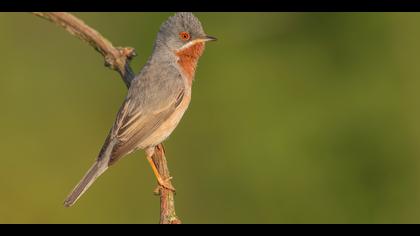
{"x": 152, "y": 98}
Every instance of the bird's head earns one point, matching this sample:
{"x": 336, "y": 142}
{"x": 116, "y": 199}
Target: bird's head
{"x": 182, "y": 32}
{"x": 182, "y": 39}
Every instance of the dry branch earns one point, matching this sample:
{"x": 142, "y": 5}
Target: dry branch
{"x": 118, "y": 59}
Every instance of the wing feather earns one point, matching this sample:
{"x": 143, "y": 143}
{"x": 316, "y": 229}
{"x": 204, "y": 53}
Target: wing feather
{"x": 142, "y": 114}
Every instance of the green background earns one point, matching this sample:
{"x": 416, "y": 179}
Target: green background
{"x": 295, "y": 118}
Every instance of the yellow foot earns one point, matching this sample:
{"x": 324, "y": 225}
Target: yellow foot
{"x": 166, "y": 184}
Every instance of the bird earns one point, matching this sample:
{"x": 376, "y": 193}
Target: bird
{"x": 156, "y": 99}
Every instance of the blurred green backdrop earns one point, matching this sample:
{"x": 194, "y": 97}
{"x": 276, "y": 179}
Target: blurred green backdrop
{"x": 295, "y": 118}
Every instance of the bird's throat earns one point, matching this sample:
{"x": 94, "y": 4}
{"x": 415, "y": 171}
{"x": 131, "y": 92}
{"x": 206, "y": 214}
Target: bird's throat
{"x": 188, "y": 59}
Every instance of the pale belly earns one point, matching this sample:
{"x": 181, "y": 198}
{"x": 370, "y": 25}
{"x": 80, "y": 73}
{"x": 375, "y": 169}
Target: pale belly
{"x": 167, "y": 127}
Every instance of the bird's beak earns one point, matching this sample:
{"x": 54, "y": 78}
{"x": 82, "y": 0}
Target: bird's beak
{"x": 203, "y": 39}
{"x": 209, "y": 38}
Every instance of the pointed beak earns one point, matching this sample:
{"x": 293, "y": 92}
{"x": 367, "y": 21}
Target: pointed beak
{"x": 209, "y": 38}
{"x": 202, "y": 39}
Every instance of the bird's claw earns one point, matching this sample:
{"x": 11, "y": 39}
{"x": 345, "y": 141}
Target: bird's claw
{"x": 164, "y": 184}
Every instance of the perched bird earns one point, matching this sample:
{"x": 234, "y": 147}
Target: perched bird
{"x": 156, "y": 100}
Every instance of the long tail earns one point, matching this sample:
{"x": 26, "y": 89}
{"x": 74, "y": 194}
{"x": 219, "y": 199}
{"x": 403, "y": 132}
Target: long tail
{"x": 97, "y": 169}
{"x": 94, "y": 172}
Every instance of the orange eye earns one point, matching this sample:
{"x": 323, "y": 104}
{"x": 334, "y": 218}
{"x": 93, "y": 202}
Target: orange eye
{"x": 184, "y": 36}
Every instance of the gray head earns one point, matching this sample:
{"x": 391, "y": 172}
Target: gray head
{"x": 181, "y": 31}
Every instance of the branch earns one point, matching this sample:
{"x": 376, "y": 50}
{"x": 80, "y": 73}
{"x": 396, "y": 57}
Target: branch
{"x": 118, "y": 59}
{"x": 167, "y": 203}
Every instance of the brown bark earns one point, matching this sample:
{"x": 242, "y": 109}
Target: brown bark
{"x": 118, "y": 59}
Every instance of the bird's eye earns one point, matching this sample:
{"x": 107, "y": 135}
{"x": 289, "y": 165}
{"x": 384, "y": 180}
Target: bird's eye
{"x": 184, "y": 36}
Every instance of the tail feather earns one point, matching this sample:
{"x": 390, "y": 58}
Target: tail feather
{"x": 98, "y": 168}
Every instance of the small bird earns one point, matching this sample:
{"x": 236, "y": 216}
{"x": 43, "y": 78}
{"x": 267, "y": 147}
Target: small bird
{"x": 156, "y": 100}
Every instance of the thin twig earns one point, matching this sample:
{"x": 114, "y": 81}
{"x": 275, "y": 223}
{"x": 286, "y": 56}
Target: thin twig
{"x": 167, "y": 202}
{"x": 118, "y": 59}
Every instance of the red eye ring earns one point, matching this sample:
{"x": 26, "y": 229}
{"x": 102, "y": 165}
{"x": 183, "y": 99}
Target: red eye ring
{"x": 184, "y": 36}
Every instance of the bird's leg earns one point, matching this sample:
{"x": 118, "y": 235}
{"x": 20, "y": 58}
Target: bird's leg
{"x": 166, "y": 183}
